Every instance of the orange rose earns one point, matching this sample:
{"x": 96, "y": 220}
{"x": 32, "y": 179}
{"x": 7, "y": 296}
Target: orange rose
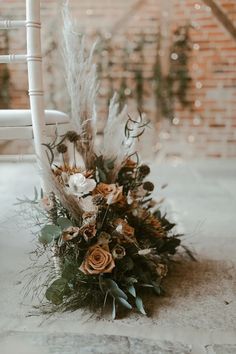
{"x": 111, "y": 192}
{"x": 97, "y": 261}
{"x": 125, "y": 231}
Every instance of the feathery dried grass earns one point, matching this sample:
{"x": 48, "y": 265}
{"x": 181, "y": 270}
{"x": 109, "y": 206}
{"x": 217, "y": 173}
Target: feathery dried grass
{"x": 81, "y": 79}
{"x": 114, "y": 136}
{"x": 68, "y": 201}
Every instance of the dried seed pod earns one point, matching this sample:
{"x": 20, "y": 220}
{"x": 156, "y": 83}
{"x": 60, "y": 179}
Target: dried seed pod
{"x": 72, "y": 136}
{"x": 144, "y": 170}
{"x": 148, "y": 186}
{"x": 62, "y": 148}
{"x": 118, "y": 252}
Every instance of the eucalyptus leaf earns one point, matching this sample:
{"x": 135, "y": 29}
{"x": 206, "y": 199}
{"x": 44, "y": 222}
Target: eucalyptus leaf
{"x": 35, "y": 194}
{"x": 114, "y": 289}
{"x": 49, "y": 233}
{"x": 69, "y": 271}
{"x": 64, "y": 223}
{"x": 139, "y": 304}
{"x": 146, "y": 285}
{"x": 113, "y": 309}
{"x": 124, "y": 303}
{"x": 157, "y": 287}
{"x": 102, "y": 175}
{"x": 131, "y": 280}
{"x": 101, "y": 283}
{"x": 131, "y": 290}
{"x": 57, "y": 290}
{"x": 54, "y": 296}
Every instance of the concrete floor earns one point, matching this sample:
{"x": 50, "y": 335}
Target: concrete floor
{"x": 198, "y": 313}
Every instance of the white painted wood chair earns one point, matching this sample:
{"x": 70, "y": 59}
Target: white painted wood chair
{"x": 35, "y": 123}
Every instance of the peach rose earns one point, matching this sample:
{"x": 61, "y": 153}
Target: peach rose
{"x": 124, "y": 230}
{"x": 111, "y": 192}
{"x": 97, "y": 261}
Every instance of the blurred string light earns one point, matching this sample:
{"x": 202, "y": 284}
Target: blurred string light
{"x": 176, "y": 121}
{"x": 197, "y": 120}
{"x": 174, "y": 56}
{"x": 198, "y": 85}
{"x": 193, "y": 15}
{"x": 127, "y": 91}
{"x": 197, "y": 6}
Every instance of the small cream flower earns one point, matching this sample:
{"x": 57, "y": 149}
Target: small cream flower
{"x": 70, "y": 233}
{"x": 80, "y": 185}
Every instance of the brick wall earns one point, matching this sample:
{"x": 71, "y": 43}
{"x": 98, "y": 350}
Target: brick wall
{"x": 203, "y": 127}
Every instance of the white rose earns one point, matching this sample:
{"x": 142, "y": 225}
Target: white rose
{"x": 79, "y": 185}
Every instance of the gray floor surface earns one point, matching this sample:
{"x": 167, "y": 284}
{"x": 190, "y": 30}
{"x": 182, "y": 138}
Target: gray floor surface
{"x": 197, "y": 314}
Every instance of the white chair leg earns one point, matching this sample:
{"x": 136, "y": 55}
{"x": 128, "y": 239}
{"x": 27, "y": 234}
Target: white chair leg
{"x": 34, "y": 63}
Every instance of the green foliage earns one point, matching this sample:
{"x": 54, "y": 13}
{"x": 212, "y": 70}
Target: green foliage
{"x": 64, "y": 223}
{"x": 124, "y": 303}
{"x": 57, "y": 290}
{"x": 5, "y": 77}
{"x": 167, "y": 88}
{"x": 49, "y": 233}
{"x": 131, "y": 290}
{"x": 139, "y": 305}
{"x": 175, "y": 85}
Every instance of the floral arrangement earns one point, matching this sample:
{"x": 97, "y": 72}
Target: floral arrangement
{"x": 102, "y": 237}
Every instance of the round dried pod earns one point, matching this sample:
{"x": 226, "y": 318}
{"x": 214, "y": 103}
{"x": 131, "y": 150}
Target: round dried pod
{"x": 118, "y": 252}
{"x": 148, "y": 186}
{"x": 62, "y": 148}
{"x": 72, "y": 136}
{"x": 144, "y": 170}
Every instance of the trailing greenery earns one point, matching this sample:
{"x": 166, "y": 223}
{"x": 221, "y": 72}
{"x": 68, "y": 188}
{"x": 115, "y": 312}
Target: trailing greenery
{"x": 167, "y": 89}
{"x": 175, "y": 85}
{"x": 5, "y": 79}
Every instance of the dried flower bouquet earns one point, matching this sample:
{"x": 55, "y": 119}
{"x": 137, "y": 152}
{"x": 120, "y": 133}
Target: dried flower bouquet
{"x": 99, "y": 225}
